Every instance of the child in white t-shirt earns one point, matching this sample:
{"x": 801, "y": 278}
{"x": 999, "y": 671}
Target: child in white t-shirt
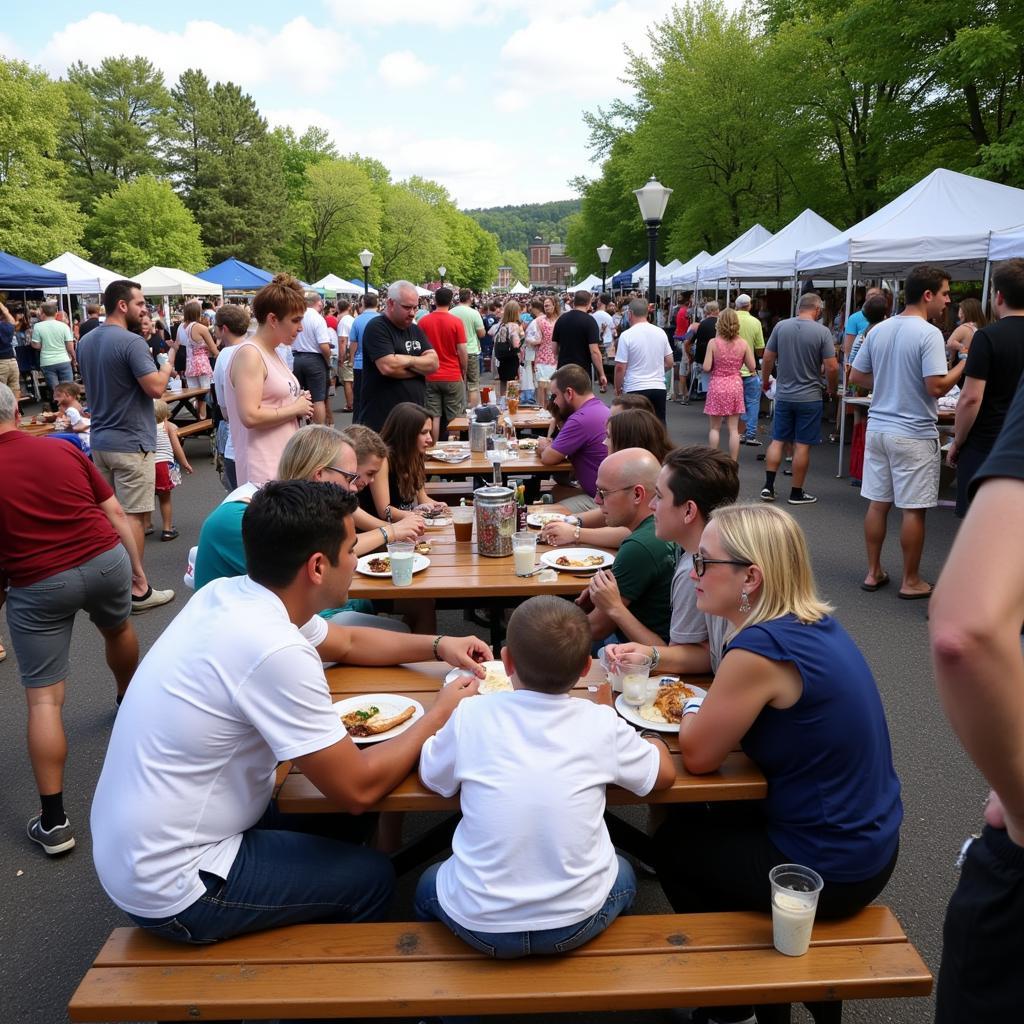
{"x": 68, "y": 397}
{"x": 533, "y": 869}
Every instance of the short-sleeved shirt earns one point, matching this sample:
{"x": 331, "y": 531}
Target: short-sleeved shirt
{"x": 574, "y": 333}
{"x": 112, "y": 361}
{"x": 801, "y": 346}
{"x": 6, "y": 340}
{"x": 606, "y": 327}
{"x": 88, "y": 325}
{"x": 53, "y": 336}
{"x": 583, "y": 440}
{"x": 1007, "y": 456}
{"x": 356, "y": 335}
{"x": 380, "y": 394}
{"x": 682, "y": 321}
{"x": 706, "y": 330}
{"x": 900, "y": 353}
{"x": 689, "y": 624}
{"x": 642, "y": 349}
{"x": 50, "y": 519}
{"x": 314, "y": 333}
{"x": 857, "y": 323}
{"x": 643, "y": 568}
{"x": 752, "y": 334}
{"x": 996, "y": 356}
{"x": 471, "y": 323}
{"x": 445, "y": 333}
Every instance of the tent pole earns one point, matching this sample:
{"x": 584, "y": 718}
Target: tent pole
{"x": 846, "y": 372}
{"x": 985, "y": 284}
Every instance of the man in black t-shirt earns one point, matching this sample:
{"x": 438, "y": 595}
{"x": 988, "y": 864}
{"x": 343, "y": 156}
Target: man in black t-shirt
{"x": 706, "y": 330}
{"x": 577, "y": 338}
{"x": 91, "y": 321}
{"x": 396, "y": 358}
{"x": 995, "y": 362}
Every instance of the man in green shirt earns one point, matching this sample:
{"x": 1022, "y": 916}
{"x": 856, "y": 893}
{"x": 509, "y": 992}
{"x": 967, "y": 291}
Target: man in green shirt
{"x": 473, "y": 324}
{"x": 56, "y": 346}
{"x": 751, "y": 333}
{"x": 636, "y": 595}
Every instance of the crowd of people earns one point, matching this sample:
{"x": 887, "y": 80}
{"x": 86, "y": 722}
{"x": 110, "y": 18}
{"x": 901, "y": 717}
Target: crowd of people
{"x": 699, "y": 584}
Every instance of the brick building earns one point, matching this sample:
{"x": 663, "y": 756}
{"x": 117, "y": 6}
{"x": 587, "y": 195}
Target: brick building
{"x": 549, "y": 264}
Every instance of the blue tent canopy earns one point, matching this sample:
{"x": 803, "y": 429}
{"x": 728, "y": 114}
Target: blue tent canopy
{"x": 235, "y": 276}
{"x": 625, "y": 278}
{"x": 16, "y": 273}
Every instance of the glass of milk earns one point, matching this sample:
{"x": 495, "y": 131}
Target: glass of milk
{"x": 401, "y": 553}
{"x": 795, "y": 891}
{"x": 524, "y": 551}
{"x": 630, "y": 674}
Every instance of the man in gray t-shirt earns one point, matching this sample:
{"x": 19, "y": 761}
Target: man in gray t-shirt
{"x": 798, "y": 350}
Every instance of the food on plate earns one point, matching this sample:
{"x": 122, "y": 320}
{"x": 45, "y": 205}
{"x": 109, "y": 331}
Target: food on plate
{"x": 667, "y": 706}
{"x": 587, "y": 562}
{"x": 528, "y": 444}
{"x": 495, "y": 681}
{"x": 548, "y": 517}
{"x": 368, "y": 721}
{"x": 379, "y": 564}
{"x": 423, "y": 547}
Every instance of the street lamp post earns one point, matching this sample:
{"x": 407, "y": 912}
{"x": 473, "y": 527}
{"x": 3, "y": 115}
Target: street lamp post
{"x": 604, "y": 254}
{"x": 442, "y": 270}
{"x": 653, "y": 198}
{"x": 572, "y": 273}
{"x": 366, "y": 258}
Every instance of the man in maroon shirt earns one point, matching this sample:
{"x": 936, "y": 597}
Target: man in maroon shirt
{"x": 446, "y": 388}
{"x": 65, "y": 546}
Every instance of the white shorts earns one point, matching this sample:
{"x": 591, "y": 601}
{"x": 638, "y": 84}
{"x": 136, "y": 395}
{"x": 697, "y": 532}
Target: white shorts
{"x": 198, "y": 382}
{"x": 543, "y": 372}
{"x": 901, "y": 470}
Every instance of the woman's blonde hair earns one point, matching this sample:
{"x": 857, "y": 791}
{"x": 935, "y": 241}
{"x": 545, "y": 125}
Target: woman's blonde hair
{"x": 771, "y": 539}
{"x": 192, "y": 311}
{"x": 728, "y": 324}
{"x": 161, "y": 410}
{"x": 310, "y": 449}
{"x": 510, "y": 314}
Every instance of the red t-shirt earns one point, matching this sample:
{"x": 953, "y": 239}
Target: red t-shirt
{"x": 445, "y": 332}
{"x": 50, "y": 519}
{"x": 332, "y": 322}
{"x": 682, "y": 321}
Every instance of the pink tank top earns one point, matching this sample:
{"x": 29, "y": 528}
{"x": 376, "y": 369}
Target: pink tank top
{"x": 258, "y": 450}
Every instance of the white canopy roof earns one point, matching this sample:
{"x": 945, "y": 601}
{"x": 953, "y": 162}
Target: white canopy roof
{"x": 169, "y": 281}
{"x": 333, "y": 283}
{"x": 688, "y": 268}
{"x": 1004, "y": 245}
{"x": 661, "y": 276}
{"x": 590, "y": 283}
{"x": 946, "y": 218}
{"x": 750, "y": 239}
{"x": 774, "y": 259}
{"x": 423, "y": 293}
{"x": 84, "y": 278}
{"x": 519, "y": 289}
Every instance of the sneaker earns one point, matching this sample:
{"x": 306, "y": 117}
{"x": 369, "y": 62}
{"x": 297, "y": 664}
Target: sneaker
{"x": 153, "y": 599}
{"x": 59, "y": 839}
{"x": 752, "y": 442}
{"x": 767, "y": 494}
{"x": 802, "y": 499}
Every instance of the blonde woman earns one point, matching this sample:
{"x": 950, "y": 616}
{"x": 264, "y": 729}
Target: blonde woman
{"x": 726, "y": 353}
{"x": 797, "y": 695}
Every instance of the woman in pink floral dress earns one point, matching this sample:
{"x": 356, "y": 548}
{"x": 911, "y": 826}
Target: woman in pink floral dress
{"x": 544, "y": 358}
{"x": 727, "y": 352}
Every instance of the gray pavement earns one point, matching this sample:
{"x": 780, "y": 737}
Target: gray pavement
{"x": 56, "y": 916}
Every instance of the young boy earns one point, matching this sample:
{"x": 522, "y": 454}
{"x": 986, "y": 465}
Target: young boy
{"x": 68, "y": 397}
{"x": 533, "y": 870}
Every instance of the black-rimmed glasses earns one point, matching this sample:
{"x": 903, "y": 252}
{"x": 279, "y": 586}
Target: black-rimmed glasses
{"x": 701, "y": 563}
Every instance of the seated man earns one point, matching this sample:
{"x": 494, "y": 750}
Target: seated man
{"x": 186, "y": 839}
{"x": 634, "y": 597}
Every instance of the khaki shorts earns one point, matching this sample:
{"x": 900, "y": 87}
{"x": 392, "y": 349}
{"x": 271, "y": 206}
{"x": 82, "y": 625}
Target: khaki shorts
{"x": 446, "y": 398}
{"x": 472, "y": 372}
{"x": 10, "y": 375}
{"x": 901, "y": 470}
{"x": 132, "y": 475}
{"x": 345, "y": 372}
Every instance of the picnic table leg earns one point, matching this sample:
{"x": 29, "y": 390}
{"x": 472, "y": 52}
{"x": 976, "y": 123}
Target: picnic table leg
{"x": 774, "y": 1013}
{"x": 826, "y": 1013}
{"x": 435, "y": 840}
{"x": 629, "y": 838}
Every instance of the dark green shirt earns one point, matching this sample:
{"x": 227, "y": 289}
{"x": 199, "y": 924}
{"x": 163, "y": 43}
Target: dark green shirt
{"x": 643, "y": 570}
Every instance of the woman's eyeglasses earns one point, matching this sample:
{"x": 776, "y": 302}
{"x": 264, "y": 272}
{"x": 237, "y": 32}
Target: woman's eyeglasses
{"x": 701, "y": 563}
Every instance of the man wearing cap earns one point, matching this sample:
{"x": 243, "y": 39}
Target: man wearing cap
{"x": 751, "y": 333}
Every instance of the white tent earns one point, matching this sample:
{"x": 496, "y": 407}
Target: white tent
{"x": 591, "y": 283}
{"x": 1006, "y": 245}
{"x": 750, "y": 239}
{"x": 84, "y": 278}
{"x": 686, "y": 270}
{"x": 424, "y": 293}
{"x": 168, "y": 281}
{"x": 519, "y": 289}
{"x": 333, "y": 283}
{"x": 661, "y": 275}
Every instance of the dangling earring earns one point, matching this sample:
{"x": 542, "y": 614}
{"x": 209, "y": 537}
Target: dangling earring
{"x": 744, "y": 602}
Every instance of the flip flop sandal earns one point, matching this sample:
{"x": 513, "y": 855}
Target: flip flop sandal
{"x": 149, "y": 532}
{"x": 882, "y": 581}
{"x": 923, "y": 596}
{"x": 169, "y": 535}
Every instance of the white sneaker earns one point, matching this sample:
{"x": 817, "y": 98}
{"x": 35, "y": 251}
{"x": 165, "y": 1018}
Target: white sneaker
{"x": 153, "y": 599}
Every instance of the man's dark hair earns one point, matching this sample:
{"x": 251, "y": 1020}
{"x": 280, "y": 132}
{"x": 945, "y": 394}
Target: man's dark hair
{"x": 604, "y": 298}
{"x": 1008, "y": 278}
{"x": 118, "y": 291}
{"x": 874, "y": 309}
{"x": 549, "y": 640}
{"x": 369, "y": 301}
{"x": 343, "y": 305}
{"x": 633, "y": 400}
{"x": 921, "y": 279}
{"x": 582, "y": 298}
{"x": 465, "y": 294}
{"x": 575, "y": 377}
{"x": 207, "y": 304}
{"x": 287, "y": 521}
{"x": 443, "y": 296}
{"x": 706, "y": 476}
{"x": 235, "y": 318}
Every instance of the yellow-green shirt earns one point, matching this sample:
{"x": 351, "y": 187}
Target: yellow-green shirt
{"x": 751, "y": 333}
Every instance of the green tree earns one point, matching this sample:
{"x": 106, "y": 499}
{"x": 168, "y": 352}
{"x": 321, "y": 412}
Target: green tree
{"x": 482, "y": 263}
{"x": 36, "y": 222}
{"x": 144, "y": 223}
{"x": 301, "y": 152}
{"x": 411, "y": 237}
{"x": 517, "y": 261}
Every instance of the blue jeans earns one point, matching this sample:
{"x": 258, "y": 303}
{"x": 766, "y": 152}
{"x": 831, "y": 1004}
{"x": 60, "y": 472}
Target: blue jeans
{"x": 752, "y": 400}
{"x": 550, "y": 941}
{"x": 287, "y": 871}
{"x": 58, "y": 373}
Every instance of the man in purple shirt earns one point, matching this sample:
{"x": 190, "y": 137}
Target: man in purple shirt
{"x": 583, "y": 438}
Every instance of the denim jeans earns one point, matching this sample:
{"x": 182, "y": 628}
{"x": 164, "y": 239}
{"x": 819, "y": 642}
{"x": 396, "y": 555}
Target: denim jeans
{"x": 287, "y": 871}
{"x": 550, "y": 941}
{"x": 58, "y": 373}
{"x": 752, "y": 400}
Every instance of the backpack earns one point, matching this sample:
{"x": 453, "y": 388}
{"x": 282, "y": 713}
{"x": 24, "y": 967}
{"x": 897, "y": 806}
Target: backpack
{"x": 502, "y": 344}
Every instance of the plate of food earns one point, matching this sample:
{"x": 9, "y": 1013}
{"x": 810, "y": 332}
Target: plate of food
{"x": 440, "y": 522}
{"x": 577, "y": 559}
{"x": 541, "y": 519}
{"x": 449, "y": 454}
{"x": 377, "y": 716}
{"x": 528, "y": 444}
{"x": 664, "y": 711}
{"x": 379, "y": 566}
{"x": 496, "y": 680}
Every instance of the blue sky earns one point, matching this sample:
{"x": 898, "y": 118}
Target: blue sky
{"x": 488, "y": 102}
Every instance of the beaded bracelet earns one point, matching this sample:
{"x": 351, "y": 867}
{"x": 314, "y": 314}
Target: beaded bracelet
{"x": 437, "y": 643}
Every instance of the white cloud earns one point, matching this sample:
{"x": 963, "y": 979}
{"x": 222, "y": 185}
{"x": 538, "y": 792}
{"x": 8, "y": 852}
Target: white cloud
{"x": 403, "y": 69}
{"x": 247, "y": 58}
{"x": 508, "y": 101}
{"x": 8, "y": 47}
{"x": 451, "y": 14}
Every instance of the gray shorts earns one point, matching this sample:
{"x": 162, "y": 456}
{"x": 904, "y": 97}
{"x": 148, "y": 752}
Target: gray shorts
{"x": 901, "y": 470}
{"x": 446, "y": 398}
{"x": 41, "y": 616}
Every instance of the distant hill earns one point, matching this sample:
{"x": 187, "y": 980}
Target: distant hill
{"x": 516, "y": 226}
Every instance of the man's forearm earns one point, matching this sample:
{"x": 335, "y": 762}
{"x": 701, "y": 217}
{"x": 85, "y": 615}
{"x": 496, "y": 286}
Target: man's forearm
{"x": 363, "y": 647}
{"x": 597, "y": 360}
{"x": 966, "y": 414}
{"x": 620, "y": 377}
{"x": 628, "y": 625}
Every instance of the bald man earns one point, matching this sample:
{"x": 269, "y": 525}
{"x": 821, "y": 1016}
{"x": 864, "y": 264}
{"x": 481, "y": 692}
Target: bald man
{"x": 635, "y": 596}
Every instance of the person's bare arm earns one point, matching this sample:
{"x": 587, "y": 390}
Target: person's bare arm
{"x": 620, "y": 377}
{"x": 403, "y": 367}
{"x": 598, "y": 360}
{"x": 848, "y": 340}
{"x": 832, "y": 374}
{"x": 119, "y": 521}
{"x": 155, "y": 384}
{"x": 179, "y": 451}
{"x": 247, "y": 375}
{"x": 549, "y": 455}
{"x": 5, "y": 314}
{"x": 937, "y": 386}
{"x": 709, "y": 356}
{"x": 463, "y": 355}
{"x": 207, "y": 339}
{"x": 767, "y": 366}
{"x": 358, "y": 645}
{"x": 972, "y": 391}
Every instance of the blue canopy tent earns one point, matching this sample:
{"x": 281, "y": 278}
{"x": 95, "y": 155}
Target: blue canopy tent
{"x": 21, "y": 276}
{"x": 624, "y": 279}
{"x": 235, "y": 276}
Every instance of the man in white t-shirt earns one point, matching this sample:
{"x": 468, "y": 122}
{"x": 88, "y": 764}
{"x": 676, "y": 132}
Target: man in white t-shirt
{"x": 605, "y": 324}
{"x": 186, "y": 839}
{"x": 903, "y": 361}
{"x": 311, "y": 355}
{"x": 346, "y": 373}
{"x": 642, "y": 357}
{"x": 231, "y": 327}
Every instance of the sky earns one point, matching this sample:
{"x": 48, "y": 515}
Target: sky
{"x": 488, "y": 102}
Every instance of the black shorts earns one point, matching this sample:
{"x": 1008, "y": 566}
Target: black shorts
{"x": 311, "y": 372}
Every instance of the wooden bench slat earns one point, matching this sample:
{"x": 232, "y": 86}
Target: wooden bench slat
{"x": 199, "y": 427}
{"x": 576, "y": 983}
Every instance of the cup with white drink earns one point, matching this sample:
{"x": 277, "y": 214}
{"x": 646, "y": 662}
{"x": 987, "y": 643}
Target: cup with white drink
{"x": 795, "y": 892}
{"x": 524, "y": 552}
{"x": 631, "y": 673}
{"x": 401, "y": 553}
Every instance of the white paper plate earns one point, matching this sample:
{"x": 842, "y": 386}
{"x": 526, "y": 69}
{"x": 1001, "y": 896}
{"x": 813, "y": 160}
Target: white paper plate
{"x": 489, "y": 666}
{"x": 437, "y": 522}
{"x": 632, "y": 714}
{"x": 540, "y": 519}
{"x": 419, "y": 563}
{"x": 550, "y": 558}
{"x": 389, "y": 704}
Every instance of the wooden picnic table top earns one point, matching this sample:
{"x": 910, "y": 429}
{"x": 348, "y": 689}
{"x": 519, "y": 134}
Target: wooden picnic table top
{"x": 478, "y": 464}
{"x": 184, "y": 394}
{"x": 524, "y": 419}
{"x": 36, "y": 429}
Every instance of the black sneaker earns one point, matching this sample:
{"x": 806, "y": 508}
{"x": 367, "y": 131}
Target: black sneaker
{"x": 767, "y": 494}
{"x": 802, "y": 499}
{"x": 59, "y": 839}
{"x": 752, "y": 442}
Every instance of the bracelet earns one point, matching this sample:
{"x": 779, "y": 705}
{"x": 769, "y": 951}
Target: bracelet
{"x": 576, "y": 535}
{"x": 692, "y": 706}
{"x": 650, "y": 734}
{"x": 383, "y": 533}
{"x": 437, "y": 643}
{"x": 655, "y": 657}
{"x": 387, "y": 513}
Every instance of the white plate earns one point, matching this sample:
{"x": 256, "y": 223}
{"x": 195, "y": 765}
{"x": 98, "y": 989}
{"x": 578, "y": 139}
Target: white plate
{"x": 489, "y": 666}
{"x": 550, "y": 558}
{"x": 437, "y": 522}
{"x": 632, "y": 714}
{"x": 389, "y": 704}
{"x": 541, "y": 519}
{"x": 419, "y": 563}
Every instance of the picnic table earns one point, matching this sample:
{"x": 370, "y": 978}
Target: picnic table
{"x": 524, "y": 419}
{"x": 479, "y": 464}
{"x": 183, "y": 401}
{"x": 36, "y": 429}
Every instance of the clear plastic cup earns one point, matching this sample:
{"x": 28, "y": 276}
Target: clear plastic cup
{"x": 524, "y": 552}
{"x": 629, "y": 674}
{"x": 462, "y": 517}
{"x": 401, "y": 553}
{"x": 795, "y": 891}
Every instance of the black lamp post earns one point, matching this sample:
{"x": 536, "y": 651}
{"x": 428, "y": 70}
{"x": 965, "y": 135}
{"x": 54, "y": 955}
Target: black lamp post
{"x": 442, "y": 270}
{"x": 604, "y": 254}
{"x": 366, "y": 258}
{"x": 653, "y": 198}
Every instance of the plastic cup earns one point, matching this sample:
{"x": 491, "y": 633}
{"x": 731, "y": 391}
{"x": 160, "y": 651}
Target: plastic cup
{"x": 462, "y": 517}
{"x": 513, "y": 406}
{"x": 485, "y": 395}
{"x": 401, "y": 553}
{"x": 795, "y": 891}
{"x": 524, "y": 552}
{"x": 629, "y": 674}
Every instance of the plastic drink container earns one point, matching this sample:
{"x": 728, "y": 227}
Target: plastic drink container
{"x": 795, "y": 891}
{"x": 462, "y": 517}
{"x": 401, "y": 553}
{"x": 524, "y": 552}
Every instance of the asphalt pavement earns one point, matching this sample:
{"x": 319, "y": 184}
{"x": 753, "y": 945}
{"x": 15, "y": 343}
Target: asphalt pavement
{"x": 56, "y": 916}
